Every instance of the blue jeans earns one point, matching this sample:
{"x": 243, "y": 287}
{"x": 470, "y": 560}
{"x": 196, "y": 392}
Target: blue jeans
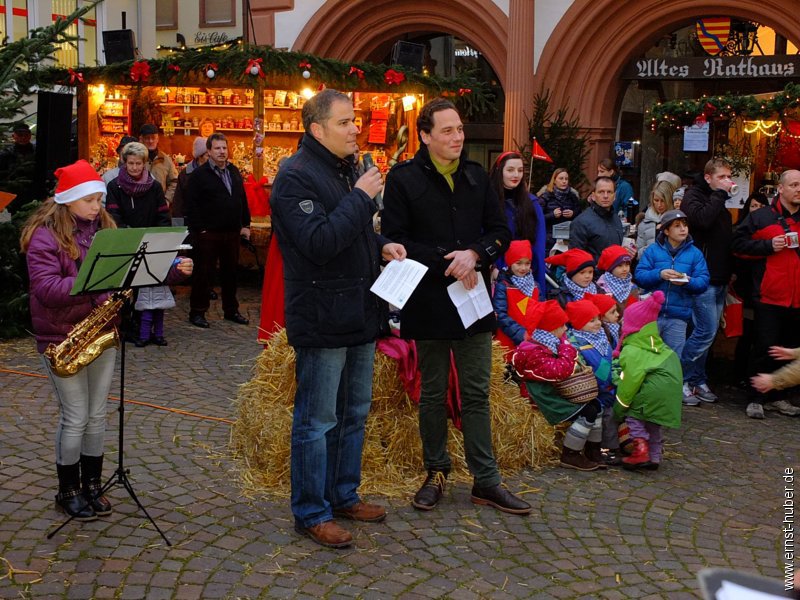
{"x": 334, "y": 393}
{"x": 82, "y": 399}
{"x": 673, "y": 332}
{"x": 706, "y": 312}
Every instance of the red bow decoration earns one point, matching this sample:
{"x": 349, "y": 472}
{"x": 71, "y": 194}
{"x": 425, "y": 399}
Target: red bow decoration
{"x": 357, "y": 71}
{"x": 255, "y": 62}
{"x": 74, "y": 76}
{"x": 321, "y": 87}
{"x": 212, "y": 66}
{"x": 175, "y": 68}
{"x": 304, "y": 64}
{"x": 140, "y": 71}
{"x": 709, "y": 109}
{"x": 464, "y": 91}
{"x": 392, "y": 77}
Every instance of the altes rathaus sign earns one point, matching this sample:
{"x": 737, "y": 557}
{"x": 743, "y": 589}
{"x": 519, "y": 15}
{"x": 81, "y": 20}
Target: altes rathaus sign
{"x": 728, "y": 67}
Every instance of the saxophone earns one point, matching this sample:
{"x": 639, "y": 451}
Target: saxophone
{"x": 87, "y": 340}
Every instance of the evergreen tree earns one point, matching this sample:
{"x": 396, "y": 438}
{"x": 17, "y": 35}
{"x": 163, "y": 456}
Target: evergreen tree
{"x": 20, "y": 64}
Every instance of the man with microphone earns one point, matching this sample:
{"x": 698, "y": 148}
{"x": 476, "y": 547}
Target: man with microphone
{"x": 322, "y": 215}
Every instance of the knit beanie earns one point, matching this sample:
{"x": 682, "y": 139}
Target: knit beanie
{"x": 639, "y": 314}
{"x": 573, "y": 260}
{"x": 603, "y": 302}
{"x": 547, "y": 316}
{"x": 77, "y": 181}
{"x": 199, "y": 147}
{"x": 581, "y": 312}
{"x": 518, "y": 249}
{"x": 612, "y": 257}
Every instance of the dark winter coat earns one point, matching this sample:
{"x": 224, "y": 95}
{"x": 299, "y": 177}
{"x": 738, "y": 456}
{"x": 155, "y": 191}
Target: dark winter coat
{"x": 710, "y": 224}
{"x": 431, "y": 220}
{"x": 208, "y": 206}
{"x": 776, "y": 275}
{"x": 678, "y": 299}
{"x": 550, "y": 203}
{"x": 595, "y": 229}
{"x": 148, "y": 210}
{"x": 331, "y": 253}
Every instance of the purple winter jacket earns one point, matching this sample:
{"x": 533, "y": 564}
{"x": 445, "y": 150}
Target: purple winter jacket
{"x": 52, "y": 274}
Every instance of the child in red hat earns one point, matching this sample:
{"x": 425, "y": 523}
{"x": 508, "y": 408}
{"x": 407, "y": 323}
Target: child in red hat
{"x": 578, "y": 275}
{"x": 587, "y": 335}
{"x": 514, "y": 294}
{"x": 55, "y": 241}
{"x": 547, "y": 358}
{"x": 609, "y": 315}
{"x": 649, "y": 381}
{"x": 617, "y": 279}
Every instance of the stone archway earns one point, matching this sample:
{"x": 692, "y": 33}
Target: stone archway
{"x": 583, "y": 59}
{"x": 352, "y": 29}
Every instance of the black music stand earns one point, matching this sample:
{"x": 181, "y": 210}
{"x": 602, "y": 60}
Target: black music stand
{"x": 118, "y": 261}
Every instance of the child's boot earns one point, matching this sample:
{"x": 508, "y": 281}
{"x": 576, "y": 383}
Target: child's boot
{"x": 574, "y": 459}
{"x": 640, "y": 455}
{"x": 592, "y": 452}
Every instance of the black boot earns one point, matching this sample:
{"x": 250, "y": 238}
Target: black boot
{"x": 69, "y": 496}
{"x": 91, "y": 471}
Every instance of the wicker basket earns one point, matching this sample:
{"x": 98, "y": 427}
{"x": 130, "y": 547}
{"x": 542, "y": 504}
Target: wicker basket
{"x": 580, "y": 387}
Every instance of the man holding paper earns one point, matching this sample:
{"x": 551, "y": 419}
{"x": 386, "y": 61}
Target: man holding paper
{"x": 443, "y": 209}
{"x": 322, "y": 215}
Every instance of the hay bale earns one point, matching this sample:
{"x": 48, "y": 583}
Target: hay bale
{"x": 392, "y": 459}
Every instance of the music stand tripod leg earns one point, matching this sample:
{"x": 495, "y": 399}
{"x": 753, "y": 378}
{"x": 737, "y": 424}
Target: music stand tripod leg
{"x": 120, "y": 474}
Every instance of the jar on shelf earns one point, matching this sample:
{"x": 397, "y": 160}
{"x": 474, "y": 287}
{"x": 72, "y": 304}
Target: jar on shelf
{"x": 179, "y": 96}
{"x": 212, "y": 99}
{"x": 287, "y": 125}
{"x": 293, "y": 124}
{"x": 269, "y": 100}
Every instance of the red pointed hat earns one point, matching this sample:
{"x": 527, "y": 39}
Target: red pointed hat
{"x": 77, "y": 181}
{"x": 581, "y": 312}
{"x": 611, "y": 258}
{"x": 518, "y": 249}
{"x": 603, "y": 302}
{"x": 573, "y": 260}
{"x": 548, "y": 316}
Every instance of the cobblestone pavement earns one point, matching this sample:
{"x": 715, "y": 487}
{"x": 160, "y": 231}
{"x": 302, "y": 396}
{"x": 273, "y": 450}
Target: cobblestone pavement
{"x": 717, "y": 501}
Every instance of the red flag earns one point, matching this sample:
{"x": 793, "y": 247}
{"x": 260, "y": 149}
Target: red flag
{"x": 538, "y": 152}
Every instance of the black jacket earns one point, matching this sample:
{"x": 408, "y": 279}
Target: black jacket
{"x": 209, "y": 207}
{"x": 148, "y": 210}
{"x": 431, "y": 220}
{"x": 331, "y": 253}
{"x": 711, "y": 227}
{"x": 595, "y": 229}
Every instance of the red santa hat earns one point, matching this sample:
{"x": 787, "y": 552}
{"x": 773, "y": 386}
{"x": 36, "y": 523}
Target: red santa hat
{"x": 581, "y": 312}
{"x": 603, "y": 302}
{"x": 612, "y": 257}
{"x": 77, "y": 181}
{"x": 548, "y": 316}
{"x": 518, "y": 249}
{"x": 573, "y": 260}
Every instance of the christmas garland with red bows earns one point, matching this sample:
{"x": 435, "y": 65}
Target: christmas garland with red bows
{"x": 674, "y": 115}
{"x": 236, "y": 62}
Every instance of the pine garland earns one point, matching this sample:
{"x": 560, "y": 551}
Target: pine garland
{"x": 283, "y": 70}
{"x": 676, "y": 114}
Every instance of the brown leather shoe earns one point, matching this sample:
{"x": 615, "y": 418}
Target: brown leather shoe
{"x": 361, "y": 511}
{"x": 327, "y": 534}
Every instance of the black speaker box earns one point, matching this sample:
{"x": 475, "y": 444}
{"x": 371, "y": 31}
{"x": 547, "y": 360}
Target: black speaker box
{"x": 408, "y": 54}
{"x": 53, "y": 132}
{"x": 119, "y": 45}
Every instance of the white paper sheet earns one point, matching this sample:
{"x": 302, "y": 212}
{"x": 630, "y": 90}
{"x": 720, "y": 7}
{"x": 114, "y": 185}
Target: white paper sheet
{"x": 471, "y": 304}
{"x": 734, "y": 591}
{"x": 154, "y": 269}
{"x": 398, "y": 281}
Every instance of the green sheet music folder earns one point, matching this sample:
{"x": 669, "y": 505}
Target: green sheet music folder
{"x": 123, "y": 258}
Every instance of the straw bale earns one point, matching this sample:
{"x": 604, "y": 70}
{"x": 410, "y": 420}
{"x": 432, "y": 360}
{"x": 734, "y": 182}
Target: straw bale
{"x": 392, "y": 458}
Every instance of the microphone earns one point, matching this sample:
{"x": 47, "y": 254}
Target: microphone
{"x": 366, "y": 159}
